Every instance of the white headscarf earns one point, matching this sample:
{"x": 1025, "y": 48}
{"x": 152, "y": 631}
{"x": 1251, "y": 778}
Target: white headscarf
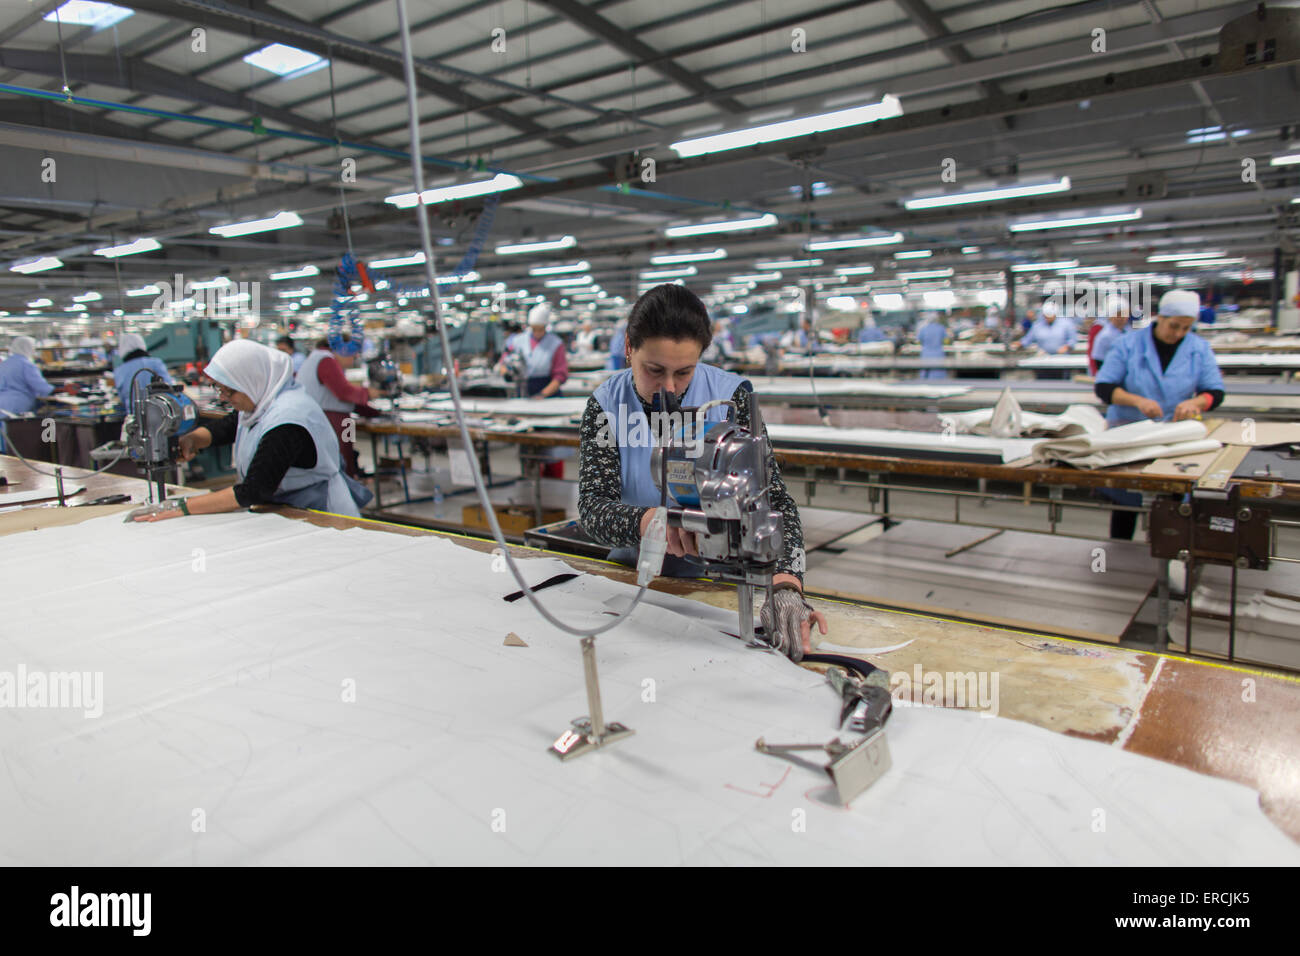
{"x": 25, "y": 346}
{"x": 539, "y": 315}
{"x": 1180, "y": 302}
{"x": 257, "y": 371}
{"x": 131, "y": 342}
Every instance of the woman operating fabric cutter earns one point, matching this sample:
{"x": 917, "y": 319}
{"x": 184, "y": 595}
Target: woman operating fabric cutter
{"x": 285, "y": 450}
{"x": 667, "y": 332}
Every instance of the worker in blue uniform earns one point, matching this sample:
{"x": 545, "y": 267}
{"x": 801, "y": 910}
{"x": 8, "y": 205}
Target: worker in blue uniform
{"x": 1114, "y": 324}
{"x": 931, "y": 334}
{"x": 22, "y": 385}
{"x": 1050, "y": 333}
{"x": 1162, "y": 373}
{"x": 138, "y": 365}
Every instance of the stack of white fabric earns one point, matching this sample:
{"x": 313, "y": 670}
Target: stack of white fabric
{"x": 1139, "y": 441}
{"x": 1008, "y": 420}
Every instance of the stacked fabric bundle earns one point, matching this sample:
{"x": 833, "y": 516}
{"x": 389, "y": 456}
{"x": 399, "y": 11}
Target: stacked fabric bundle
{"x": 1008, "y": 420}
{"x": 1139, "y": 441}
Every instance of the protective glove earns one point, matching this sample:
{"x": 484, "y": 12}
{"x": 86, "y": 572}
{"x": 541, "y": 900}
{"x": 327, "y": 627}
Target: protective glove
{"x": 145, "y": 512}
{"x": 782, "y": 618}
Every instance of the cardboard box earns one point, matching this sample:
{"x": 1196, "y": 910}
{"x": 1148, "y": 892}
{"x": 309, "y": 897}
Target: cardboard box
{"x": 514, "y": 519}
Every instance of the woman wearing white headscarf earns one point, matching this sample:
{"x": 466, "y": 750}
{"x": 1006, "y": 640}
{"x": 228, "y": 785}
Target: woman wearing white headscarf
{"x": 22, "y": 385}
{"x": 285, "y": 449}
{"x": 137, "y": 366}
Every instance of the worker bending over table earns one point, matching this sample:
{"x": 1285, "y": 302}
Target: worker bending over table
{"x": 1159, "y": 373}
{"x": 667, "y": 332}
{"x": 546, "y": 368}
{"x": 285, "y": 450}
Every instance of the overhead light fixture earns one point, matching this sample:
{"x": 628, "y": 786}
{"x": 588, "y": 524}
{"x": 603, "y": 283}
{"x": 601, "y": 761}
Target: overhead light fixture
{"x": 561, "y": 283}
{"x": 1043, "y": 266}
{"x": 674, "y": 259}
{"x": 144, "y": 290}
{"x": 787, "y": 129}
{"x": 989, "y": 195}
{"x": 670, "y": 273}
{"x": 582, "y": 266}
{"x": 514, "y": 249}
{"x": 1184, "y": 256}
{"x": 129, "y": 249}
{"x": 929, "y": 274}
{"x": 888, "y": 302}
{"x": 240, "y": 297}
{"x": 914, "y": 254}
{"x": 1076, "y": 221}
{"x": 969, "y": 250}
{"x": 283, "y": 220}
{"x": 41, "y": 264}
{"x": 1197, "y": 263}
{"x": 467, "y": 277}
{"x": 87, "y": 297}
{"x": 414, "y": 260}
{"x": 84, "y": 13}
{"x": 855, "y": 270}
{"x": 756, "y": 277}
{"x": 39, "y": 303}
{"x": 726, "y": 225}
{"x": 1091, "y": 270}
{"x": 286, "y": 62}
{"x": 296, "y": 293}
{"x": 823, "y": 245}
{"x": 1211, "y": 134}
{"x": 498, "y": 183}
{"x": 216, "y": 283}
{"x": 939, "y": 299}
{"x": 789, "y": 264}
{"x": 302, "y": 273}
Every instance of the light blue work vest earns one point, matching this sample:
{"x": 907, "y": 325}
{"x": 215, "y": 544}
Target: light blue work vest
{"x": 321, "y": 487}
{"x": 307, "y": 377}
{"x": 21, "y": 385}
{"x": 628, "y": 424}
{"x": 123, "y": 374}
{"x": 538, "y": 357}
{"x": 1134, "y": 366}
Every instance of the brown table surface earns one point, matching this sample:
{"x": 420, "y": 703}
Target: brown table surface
{"x": 1128, "y": 477}
{"x": 23, "y": 479}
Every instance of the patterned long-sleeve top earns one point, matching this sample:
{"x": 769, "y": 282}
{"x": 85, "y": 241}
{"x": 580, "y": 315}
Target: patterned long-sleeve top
{"x": 608, "y": 520}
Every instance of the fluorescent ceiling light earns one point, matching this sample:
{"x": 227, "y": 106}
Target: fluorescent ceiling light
{"x": 888, "y": 302}
{"x": 727, "y": 225}
{"x": 670, "y": 273}
{"x": 84, "y": 13}
{"x": 1090, "y": 270}
{"x": 87, "y": 297}
{"x": 302, "y": 273}
{"x": 42, "y": 264}
{"x": 467, "y": 277}
{"x": 788, "y": 264}
{"x": 296, "y": 293}
{"x": 1197, "y": 263}
{"x": 930, "y": 274}
{"x": 39, "y": 303}
{"x": 914, "y": 254}
{"x": 482, "y": 289}
{"x": 756, "y": 277}
{"x": 1210, "y": 134}
{"x": 129, "y": 249}
{"x": 144, "y": 290}
{"x": 1286, "y": 159}
{"x": 241, "y": 297}
{"x": 670, "y": 260}
{"x": 216, "y": 283}
{"x": 1184, "y": 256}
{"x": 1076, "y": 221}
{"x": 561, "y": 283}
{"x": 1039, "y": 266}
{"x": 415, "y": 260}
{"x": 283, "y": 220}
{"x": 940, "y": 299}
{"x": 786, "y": 129}
{"x": 826, "y": 244}
{"x": 855, "y": 270}
{"x": 969, "y": 250}
{"x": 498, "y": 183}
{"x": 284, "y": 60}
{"x": 989, "y": 195}
{"x": 582, "y": 266}
{"x": 520, "y": 247}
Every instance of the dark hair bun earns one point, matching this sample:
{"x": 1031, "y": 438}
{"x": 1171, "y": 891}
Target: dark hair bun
{"x": 669, "y": 312}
